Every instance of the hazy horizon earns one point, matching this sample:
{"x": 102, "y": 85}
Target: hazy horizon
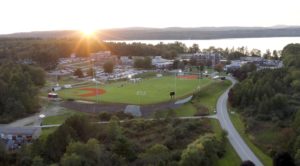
{"x": 133, "y": 27}
{"x": 34, "y": 15}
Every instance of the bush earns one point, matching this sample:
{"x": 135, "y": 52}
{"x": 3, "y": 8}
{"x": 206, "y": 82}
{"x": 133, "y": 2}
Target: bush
{"x": 104, "y": 116}
{"x": 70, "y": 99}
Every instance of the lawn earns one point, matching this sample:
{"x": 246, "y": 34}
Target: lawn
{"x": 187, "y": 109}
{"x": 239, "y": 125}
{"x": 153, "y": 90}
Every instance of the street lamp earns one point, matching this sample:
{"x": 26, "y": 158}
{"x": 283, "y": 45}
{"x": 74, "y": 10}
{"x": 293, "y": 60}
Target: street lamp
{"x": 40, "y": 118}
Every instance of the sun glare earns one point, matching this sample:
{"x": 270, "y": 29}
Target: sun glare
{"x": 88, "y": 31}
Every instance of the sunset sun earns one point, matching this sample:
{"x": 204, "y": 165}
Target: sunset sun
{"x": 88, "y": 31}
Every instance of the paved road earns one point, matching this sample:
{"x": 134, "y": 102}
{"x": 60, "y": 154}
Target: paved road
{"x": 234, "y": 137}
{"x": 35, "y": 120}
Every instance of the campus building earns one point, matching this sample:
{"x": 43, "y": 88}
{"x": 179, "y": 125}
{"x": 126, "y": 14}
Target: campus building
{"x": 125, "y": 60}
{"x": 208, "y": 59}
{"x": 260, "y": 63}
{"x": 103, "y": 56}
{"x": 159, "y": 62}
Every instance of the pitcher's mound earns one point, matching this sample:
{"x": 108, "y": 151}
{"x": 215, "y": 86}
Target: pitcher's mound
{"x": 188, "y": 77}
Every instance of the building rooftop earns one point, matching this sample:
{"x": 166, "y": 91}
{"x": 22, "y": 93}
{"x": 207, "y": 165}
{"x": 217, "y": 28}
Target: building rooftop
{"x": 18, "y": 130}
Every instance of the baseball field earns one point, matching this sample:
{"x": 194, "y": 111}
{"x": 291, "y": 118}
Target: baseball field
{"x": 146, "y": 91}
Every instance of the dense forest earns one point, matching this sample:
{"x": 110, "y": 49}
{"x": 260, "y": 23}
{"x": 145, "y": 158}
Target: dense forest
{"x": 19, "y": 90}
{"x": 269, "y": 101}
{"x": 137, "y": 142}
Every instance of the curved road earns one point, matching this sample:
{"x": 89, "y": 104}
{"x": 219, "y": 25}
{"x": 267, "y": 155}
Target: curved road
{"x": 234, "y": 137}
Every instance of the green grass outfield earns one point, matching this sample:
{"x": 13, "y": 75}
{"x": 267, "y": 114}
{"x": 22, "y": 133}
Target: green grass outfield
{"x": 157, "y": 90}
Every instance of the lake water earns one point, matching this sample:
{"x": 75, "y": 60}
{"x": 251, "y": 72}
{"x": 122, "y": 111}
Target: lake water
{"x": 276, "y": 43}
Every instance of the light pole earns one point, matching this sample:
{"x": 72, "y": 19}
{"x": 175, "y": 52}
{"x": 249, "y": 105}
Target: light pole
{"x": 140, "y": 94}
{"x": 179, "y": 71}
{"x": 96, "y": 84}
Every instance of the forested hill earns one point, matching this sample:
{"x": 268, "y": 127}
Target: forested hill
{"x": 269, "y": 102}
{"x": 173, "y": 33}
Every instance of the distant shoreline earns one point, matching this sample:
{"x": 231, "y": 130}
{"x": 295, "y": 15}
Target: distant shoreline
{"x": 118, "y": 40}
{"x": 170, "y": 33}
{"x": 262, "y": 43}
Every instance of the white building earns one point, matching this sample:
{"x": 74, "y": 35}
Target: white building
{"x": 102, "y": 57}
{"x": 235, "y": 64}
{"x": 159, "y": 62}
{"x": 125, "y": 60}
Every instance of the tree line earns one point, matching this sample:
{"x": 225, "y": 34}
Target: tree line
{"x": 19, "y": 90}
{"x": 46, "y": 52}
{"x": 273, "y": 96}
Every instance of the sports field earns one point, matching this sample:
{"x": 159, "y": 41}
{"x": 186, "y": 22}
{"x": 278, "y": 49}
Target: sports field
{"x": 148, "y": 91}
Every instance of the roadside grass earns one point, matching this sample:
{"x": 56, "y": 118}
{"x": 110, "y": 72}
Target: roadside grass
{"x": 210, "y": 94}
{"x": 187, "y": 109}
{"x": 239, "y": 125}
{"x": 46, "y": 131}
{"x": 207, "y": 97}
{"x": 230, "y": 157}
{"x": 59, "y": 119}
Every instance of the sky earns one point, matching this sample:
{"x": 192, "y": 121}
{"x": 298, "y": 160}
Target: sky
{"x": 40, "y": 15}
